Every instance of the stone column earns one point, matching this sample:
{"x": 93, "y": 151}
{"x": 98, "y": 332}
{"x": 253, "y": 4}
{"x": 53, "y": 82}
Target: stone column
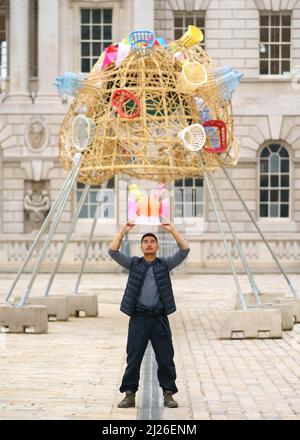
{"x": 48, "y": 50}
{"x": 19, "y": 51}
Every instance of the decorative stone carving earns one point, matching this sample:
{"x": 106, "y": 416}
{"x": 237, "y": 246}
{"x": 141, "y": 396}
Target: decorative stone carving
{"x": 36, "y": 136}
{"x": 36, "y": 206}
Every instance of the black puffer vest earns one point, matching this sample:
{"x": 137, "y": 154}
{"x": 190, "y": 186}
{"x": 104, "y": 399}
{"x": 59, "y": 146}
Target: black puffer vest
{"x": 135, "y": 281}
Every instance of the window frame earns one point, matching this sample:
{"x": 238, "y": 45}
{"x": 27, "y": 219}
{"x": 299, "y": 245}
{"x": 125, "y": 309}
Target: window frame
{"x": 76, "y": 41}
{"x": 91, "y": 41}
{"x": 270, "y": 220}
{"x": 276, "y": 75}
{"x": 84, "y": 221}
{"x": 190, "y": 221}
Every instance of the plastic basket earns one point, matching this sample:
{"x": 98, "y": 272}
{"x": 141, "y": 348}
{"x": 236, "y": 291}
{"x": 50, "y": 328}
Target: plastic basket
{"x": 119, "y": 101}
{"x": 216, "y": 146}
{"x": 83, "y": 132}
{"x": 141, "y": 41}
{"x": 192, "y": 76}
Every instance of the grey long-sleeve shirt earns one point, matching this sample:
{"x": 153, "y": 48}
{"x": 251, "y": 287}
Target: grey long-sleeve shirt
{"x": 149, "y": 295}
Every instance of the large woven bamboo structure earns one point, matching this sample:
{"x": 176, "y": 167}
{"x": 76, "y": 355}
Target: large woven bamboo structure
{"x": 146, "y": 146}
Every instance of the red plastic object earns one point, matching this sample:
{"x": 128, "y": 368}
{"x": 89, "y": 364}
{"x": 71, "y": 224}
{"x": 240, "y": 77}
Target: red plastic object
{"x": 220, "y": 125}
{"x": 120, "y": 98}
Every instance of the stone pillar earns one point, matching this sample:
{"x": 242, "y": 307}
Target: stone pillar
{"x": 19, "y": 51}
{"x": 48, "y": 50}
{"x": 143, "y": 13}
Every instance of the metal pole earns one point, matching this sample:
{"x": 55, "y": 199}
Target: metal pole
{"x": 254, "y": 287}
{"x": 293, "y": 289}
{"x": 48, "y": 241}
{"x": 241, "y": 295}
{"x": 86, "y": 251}
{"x": 43, "y": 228}
{"x": 67, "y": 238}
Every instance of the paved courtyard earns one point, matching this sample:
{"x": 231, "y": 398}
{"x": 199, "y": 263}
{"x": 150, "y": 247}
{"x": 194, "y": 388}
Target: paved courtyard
{"x": 74, "y": 371}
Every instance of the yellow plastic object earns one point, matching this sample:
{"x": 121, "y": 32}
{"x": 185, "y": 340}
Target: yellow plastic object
{"x": 191, "y": 37}
{"x": 192, "y": 76}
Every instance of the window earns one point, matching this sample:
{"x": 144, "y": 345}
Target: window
{"x": 188, "y": 198}
{"x": 89, "y": 207}
{"x": 275, "y": 43}
{"x": 183, "y": 19}
{"x": 274, "y": 192}
{"x": 96, "y": 35}
{"x": 3, "y": 47}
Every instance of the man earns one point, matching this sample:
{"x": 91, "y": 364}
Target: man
{"x": 148, "y": 299}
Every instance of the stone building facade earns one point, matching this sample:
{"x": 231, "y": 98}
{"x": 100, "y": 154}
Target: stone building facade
{"x": 40, "y": 39}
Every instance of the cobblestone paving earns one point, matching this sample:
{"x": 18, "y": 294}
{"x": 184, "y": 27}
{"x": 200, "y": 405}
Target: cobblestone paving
{"x": 74, "y": 371}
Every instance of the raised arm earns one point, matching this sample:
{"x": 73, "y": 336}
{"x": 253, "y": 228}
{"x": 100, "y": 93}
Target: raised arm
{"x": 114, "y": 246}
{"x": 116, "y": 243}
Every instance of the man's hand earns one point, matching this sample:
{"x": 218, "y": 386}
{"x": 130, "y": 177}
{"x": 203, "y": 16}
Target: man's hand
{"x": 116, "y": 243}
{"x": 128, "y": 226}
{"x": 167, "y": 227}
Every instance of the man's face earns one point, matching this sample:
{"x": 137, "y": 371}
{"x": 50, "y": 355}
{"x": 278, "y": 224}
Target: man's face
{"x": 149, "y": 246}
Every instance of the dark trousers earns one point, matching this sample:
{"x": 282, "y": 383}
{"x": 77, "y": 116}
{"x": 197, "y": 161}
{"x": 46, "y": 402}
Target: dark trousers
{"x": 142, "y": 328}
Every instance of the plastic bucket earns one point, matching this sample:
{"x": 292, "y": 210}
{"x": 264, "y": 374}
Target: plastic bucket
{"x": 191, "y": 37}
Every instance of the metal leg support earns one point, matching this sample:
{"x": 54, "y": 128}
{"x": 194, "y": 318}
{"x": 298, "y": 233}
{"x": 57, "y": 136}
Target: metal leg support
{"x": 48, "y": 219}
{"x": 67, "y": 239}
{"x": 254, "y": 287}
{"x": 49, "y": 237}
{"x": 86, "y": 251}
{"x": 241, "y": 295}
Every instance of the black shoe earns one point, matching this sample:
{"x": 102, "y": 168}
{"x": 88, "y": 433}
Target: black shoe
{"x": 128, "y": 401}
{"x": 169, "y": 402}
